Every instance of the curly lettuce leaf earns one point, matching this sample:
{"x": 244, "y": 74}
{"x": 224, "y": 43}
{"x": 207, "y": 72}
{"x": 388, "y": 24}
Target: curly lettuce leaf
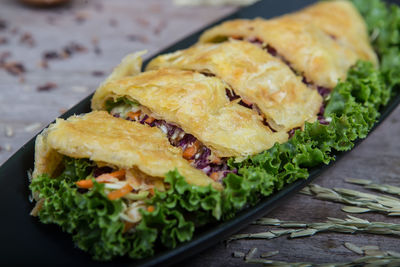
{"x": 383, "y": 24}
{"x": 90, "y": 217}
{"x": 111, "y": 103}
{"x": 177, "y": 212}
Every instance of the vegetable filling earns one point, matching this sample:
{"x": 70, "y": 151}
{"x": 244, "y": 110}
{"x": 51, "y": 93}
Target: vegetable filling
{"x": 131, "y": 186}
{"x": 194, "y": 151}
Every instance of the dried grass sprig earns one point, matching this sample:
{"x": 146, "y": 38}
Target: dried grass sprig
{"x": 359, "y": 202}
{"x": 296, "y": 229}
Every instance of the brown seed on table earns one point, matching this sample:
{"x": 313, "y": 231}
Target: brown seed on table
{"x": 160, "y": 26}
{"x": 143, "y": 22}
{"x": 3, "y": 25}
{"x": 97, "y": 50}
{"x": 43, "y": 64}
{"x": 98, "y": 73}
{"x": 74, "y": 48}
{"x": 139, "y": 38}
{"x": 47, "y": 87}
{"x": 113, "y": 22}
{"x": 133, "y": 38}
{"x": 14, "y": 68}
{"x": 27, "y": 39}
{"x": 14, "y": 30}
{"x": 81, "y": 17}
{"x": 3, "y": 40}
{"x": 4, "y": 56}
{"x": 50, "y": 55}
{"x": 95, "y": 40}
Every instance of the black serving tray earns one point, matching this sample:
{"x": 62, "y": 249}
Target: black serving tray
{"x": 24, "y": 240}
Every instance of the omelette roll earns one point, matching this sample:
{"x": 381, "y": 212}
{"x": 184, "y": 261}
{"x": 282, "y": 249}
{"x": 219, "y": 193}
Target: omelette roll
{"x": 194, "y": 112}
{"x": 131, "y": 160}
{"x": 261, "y": 81}
{"x": 322, "y": 58}
{"x": 193, "y": 103}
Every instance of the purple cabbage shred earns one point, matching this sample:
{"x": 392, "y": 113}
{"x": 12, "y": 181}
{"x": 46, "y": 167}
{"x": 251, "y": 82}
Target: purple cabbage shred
{"x": 231, "y": 95}
{"x": 200, "y": 161}
{"x": 187, "y": 140}
{"x": 323, "y": 91}
{"x": 272, "y": 50}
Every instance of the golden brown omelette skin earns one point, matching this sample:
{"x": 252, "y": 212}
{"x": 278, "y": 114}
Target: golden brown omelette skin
{"x": 342, "y": 21}
{"x": 320, "y": 53}
{"x": 306, "y": 48}
{"x": 111, "y": 141}
{"x": 199, "y": 105}
{"x": 256, "y": 76}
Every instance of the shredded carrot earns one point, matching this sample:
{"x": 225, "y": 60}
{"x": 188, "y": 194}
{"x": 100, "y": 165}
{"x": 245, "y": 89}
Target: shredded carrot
{"x": 214, "y": 176}
{"x": 116, "y": 194}
{"x": 150, "y": 208}
{"x": 85, "y": 184}
{"x": 119, "y": 174}
{"x": 133, "y": 115}
{"x": 191, "y": 150}
{"x": 149, "y": 120}
{"x": 151, "y": 190}
{"x": 128, "y": 226}
{"x": 216, "y": 160}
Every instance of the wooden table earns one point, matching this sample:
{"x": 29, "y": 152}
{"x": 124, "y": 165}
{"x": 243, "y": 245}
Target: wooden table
{"x": 108, "y": 30}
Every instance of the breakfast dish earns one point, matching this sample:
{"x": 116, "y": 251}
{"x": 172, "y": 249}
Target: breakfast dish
{"x": 207, "y": 132}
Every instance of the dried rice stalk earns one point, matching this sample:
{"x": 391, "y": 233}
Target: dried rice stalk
{"x": 357, "y": 202}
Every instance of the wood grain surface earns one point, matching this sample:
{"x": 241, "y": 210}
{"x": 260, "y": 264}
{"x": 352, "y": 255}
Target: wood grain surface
{"x": 110, "y": 29}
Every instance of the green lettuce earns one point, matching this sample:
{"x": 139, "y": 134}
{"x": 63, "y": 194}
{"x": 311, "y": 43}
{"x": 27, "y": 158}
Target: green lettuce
{"x": 94, "y": 221}
{"x": 177, "y": 212}
{"x": 91, "y": 218}
{"x": 383, "y": 24}
{"x": 111, "y": 103}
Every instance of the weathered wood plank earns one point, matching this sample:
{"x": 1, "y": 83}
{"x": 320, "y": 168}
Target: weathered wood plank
{"x": 119, "y": 26}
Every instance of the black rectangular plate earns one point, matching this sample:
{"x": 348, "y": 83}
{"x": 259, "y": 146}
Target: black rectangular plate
{"x": 24, "y": 240}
